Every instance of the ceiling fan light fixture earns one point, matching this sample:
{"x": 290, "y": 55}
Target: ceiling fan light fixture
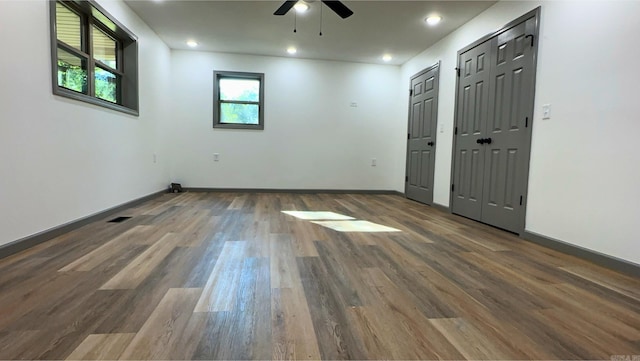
{"x": 301, "y": 6}
{"x": 292, "y": 50}
{"x": 336, "y": 5}
{"x": 192, "y": 43}
{"x": 433, "y": 19}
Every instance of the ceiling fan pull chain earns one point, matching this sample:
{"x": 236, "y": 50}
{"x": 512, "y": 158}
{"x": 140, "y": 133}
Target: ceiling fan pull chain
{"x": 320, "y": 18}
{"x": 295, "y": 21}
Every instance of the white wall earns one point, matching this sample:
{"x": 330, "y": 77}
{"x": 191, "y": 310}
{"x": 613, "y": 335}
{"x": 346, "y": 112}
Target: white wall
{"x": 61, "y": 159}
{"x": 585, "y": 168}
{"x": 313, "y": 138}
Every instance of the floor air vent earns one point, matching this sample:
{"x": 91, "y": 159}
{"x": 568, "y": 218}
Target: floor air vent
{"x": 119, "y": 219}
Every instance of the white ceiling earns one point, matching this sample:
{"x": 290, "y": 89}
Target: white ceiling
{"x": 249, "y": 27}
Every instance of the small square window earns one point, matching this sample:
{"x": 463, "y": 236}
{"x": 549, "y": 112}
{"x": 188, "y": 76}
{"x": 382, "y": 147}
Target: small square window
{"x": 239, "y": 100}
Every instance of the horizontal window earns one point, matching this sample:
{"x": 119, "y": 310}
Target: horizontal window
{"x": 95, "y": 58}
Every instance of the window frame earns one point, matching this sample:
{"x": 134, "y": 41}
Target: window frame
{"x": 126, "y": 70}
{"x": 217, "y": 76}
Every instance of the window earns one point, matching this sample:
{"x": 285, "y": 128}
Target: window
{"x": 238, "y": 100}
{"x": 94, "y": 58}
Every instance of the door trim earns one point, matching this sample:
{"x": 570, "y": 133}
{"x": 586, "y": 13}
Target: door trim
{"x": 406, "y": 163}
{"x": 535, "y": 14}
{"x": 423, "y": 71}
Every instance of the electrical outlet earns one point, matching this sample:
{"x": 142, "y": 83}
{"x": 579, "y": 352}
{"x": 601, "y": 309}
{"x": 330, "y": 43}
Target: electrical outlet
{"x": 216, "y": 157}
{"x": 374, "y": 162}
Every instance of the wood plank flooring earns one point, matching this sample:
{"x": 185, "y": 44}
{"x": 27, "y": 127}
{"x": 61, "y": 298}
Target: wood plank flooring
{"x": 213, "y": 276}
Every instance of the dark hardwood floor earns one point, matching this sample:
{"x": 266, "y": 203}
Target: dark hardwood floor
{"x": 229, "y": 276}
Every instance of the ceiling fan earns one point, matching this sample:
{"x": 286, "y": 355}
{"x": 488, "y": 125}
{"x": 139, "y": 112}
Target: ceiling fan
{"x": 337, "y": 6}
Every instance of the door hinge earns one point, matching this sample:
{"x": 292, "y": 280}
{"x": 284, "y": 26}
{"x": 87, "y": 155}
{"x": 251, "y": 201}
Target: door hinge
{"x": 520, "y": 200}
{"x": 406, "y": 178}
{"x": 530, "y": 36}
{"x": 526, "y": 122}
{"x": 408, "y": 135}
{"x": 410, "y": 92}
{"x": 458, "y": 72}
{"x": 452, "y": 187}
{"x": 455, "y": 131}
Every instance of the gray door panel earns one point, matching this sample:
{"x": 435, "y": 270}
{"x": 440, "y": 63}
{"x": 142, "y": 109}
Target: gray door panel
{"x": 511, "y": 87}
{"x": 426, "y": 176}
{"x": 423, "y": 112}
{"x": 471, "y": 122}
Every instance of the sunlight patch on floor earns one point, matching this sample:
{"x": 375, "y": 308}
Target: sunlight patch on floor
{"x": 339, "y": 222}
{"x": 306, "y": 215}
{"x": 355, "y": 226}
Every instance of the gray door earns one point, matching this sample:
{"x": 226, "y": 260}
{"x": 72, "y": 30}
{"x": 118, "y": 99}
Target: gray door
{"x": 507, "y": 153}
{"x": 473, "y": 95}
{"x": 493, "y": 127}
{"x": 423, "y": 113}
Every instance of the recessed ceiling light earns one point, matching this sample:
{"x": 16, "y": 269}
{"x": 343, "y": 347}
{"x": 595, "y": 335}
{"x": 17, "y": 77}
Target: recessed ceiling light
{"x": 291, "y": 50}
{"x": 433, "y": 19}
{"x": 301, "y": 6}
{"x": 192, "y": 43}
{"x": 387, "y": 57}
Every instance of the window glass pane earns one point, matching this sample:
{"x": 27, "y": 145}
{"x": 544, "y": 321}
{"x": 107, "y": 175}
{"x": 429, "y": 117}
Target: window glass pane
{"x": 72, "y": 71}
{"x": 240, "y": 89}
{"x": 106, "y": 85}
{"x": 232, "y": 113}
{"x": 104, "y": 48}
{"x": 97, "y": 15}
{"x": 68, "y": 26}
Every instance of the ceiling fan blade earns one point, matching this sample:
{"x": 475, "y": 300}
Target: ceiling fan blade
{"x": 284, "y": 8}
{"x": 339, "y": 8}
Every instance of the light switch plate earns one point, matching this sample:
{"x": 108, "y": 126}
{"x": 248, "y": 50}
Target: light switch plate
{"x": 546, "y": 111}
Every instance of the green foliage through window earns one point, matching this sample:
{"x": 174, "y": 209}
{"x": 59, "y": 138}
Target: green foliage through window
{"x": 240, "y": 89}
{"x": 106, "y": 85}
{"x": 72, "y": 77}
{"x": 233, "y": 113}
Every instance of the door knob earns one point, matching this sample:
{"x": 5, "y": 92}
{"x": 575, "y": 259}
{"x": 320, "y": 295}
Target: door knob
{"x": 480, "y": 141}
{"x": 430, "y": 144}
{"x": 487, "y": 140}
